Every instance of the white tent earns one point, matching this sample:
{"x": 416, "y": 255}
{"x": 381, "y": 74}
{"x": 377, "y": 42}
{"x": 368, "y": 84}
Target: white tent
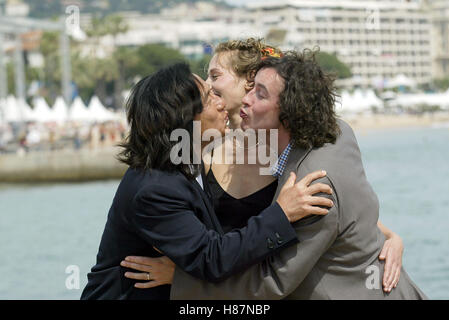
{"x": 78, "y": 111}
{"x": 372, "y": 100}
{"x": 347, "y": 103}
{"x": 27, "y": 113}
{"x": 15, "y": 110}
{"x": 60, "y": 110}
{"x": 11, "y": 110}
{"x": 416, "y": 99}
{"x": 400, "y": 80}
{"x": 360, "y": 101}
{"x": 98, "y": 112}
{"x": 42, "y": 112}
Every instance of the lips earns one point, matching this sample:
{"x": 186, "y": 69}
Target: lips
{"x": 243, "y": 115}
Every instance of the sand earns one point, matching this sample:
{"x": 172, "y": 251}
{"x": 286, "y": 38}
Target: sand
{"x": 382, "y": 121}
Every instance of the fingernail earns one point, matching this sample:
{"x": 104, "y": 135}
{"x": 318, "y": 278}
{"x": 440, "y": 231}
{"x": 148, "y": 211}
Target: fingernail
{"x": 323, "y": 171}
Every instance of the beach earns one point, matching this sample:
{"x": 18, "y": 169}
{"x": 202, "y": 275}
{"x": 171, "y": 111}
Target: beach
{"x": 390, "y": 121}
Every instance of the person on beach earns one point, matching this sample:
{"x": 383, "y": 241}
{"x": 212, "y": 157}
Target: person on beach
{"x": 239, "y": 191}
{"x": 161, "y": 205}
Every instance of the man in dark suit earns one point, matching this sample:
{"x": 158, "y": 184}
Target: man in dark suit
{"x": 160, "y": 204}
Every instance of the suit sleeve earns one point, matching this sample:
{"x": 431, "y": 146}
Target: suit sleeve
{"x": 165, "y": 219}
{"x": 275, "y": 277}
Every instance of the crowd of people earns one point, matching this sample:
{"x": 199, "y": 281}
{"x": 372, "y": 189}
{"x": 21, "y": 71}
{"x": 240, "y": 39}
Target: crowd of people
{"x": 34, "y": 136}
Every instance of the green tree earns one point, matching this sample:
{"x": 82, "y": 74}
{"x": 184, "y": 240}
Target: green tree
{"x": 155, "y": 56}
{"x": 50, "y": 75}
{"x": 330, "y": 63}
{"x": 200, "y": 66}
{"x": 126, "y": 60}
{"x": 95, "y": 75}
{"x": 441, "y": 83}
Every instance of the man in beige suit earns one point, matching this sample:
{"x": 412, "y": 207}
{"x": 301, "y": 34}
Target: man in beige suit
{"x": 337, "y": 254}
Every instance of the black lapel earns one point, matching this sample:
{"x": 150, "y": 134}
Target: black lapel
{"x": 206, "y": 185}
{"x": 207, "y": 199}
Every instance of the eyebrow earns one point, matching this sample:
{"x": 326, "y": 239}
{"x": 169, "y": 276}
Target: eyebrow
{"x": 214, "y": 70}
{"x": 262, "y": 87}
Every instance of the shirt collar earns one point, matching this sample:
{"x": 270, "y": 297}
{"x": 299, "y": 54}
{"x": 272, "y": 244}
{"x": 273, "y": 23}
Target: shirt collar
{"x": 278, "y": 169}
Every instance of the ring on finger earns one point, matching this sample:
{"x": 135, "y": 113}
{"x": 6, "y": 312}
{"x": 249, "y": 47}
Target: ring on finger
{"x": 148, "y": 276}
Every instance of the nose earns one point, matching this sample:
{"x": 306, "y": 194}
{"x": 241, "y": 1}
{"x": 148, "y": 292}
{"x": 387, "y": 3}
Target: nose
{"x": 247, "y": 98}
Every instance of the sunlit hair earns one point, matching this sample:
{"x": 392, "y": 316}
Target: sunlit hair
{"x": 160, "y": 103}
{"x": 245, "y": 55}
{"x": 307, "y": 103}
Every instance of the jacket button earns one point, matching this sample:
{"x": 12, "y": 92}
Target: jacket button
{"x": 280, "y": 240}
{"x": 270, "y": 243}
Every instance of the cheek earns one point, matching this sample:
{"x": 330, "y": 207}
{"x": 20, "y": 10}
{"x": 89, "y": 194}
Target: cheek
{"x": 221, "y": 84}
{"x": 208, "y": 117}
{"x": 267, "y": 115}
{"x": 231, "y": 91}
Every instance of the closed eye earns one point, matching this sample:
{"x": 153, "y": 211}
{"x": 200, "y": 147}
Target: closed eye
{"x": 215, "y": 92}
{"x": 259, "y": 95}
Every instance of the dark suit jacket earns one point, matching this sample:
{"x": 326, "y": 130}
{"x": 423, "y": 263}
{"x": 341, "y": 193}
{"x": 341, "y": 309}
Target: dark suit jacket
{"x": 174, "y": 214}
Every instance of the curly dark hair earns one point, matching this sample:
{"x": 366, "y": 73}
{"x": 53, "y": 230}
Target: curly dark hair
{"x": 307, "y": 103}
{"x": 160, "y": 103}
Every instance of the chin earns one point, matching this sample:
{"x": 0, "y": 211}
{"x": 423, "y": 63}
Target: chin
{"x": 244, "y": 126}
